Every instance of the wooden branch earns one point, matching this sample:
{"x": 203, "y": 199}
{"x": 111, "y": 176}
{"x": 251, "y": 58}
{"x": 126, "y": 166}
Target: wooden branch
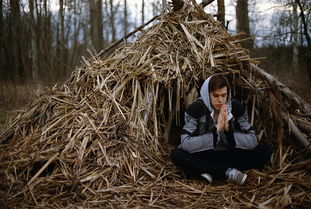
{"x": 304, "y": 125}
{"x": 204, "y": 3}
{"x": 102, "y": 52}
{"x": 178, "y": 4}
{"x": 289, "y": 94}
{"x": 297, "y": 133}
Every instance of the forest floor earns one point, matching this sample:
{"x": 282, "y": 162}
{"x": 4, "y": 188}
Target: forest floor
{"x": 13, "y": 98}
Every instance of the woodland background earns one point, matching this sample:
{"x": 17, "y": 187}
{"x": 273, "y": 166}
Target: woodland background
{"x": 41, "y": 41}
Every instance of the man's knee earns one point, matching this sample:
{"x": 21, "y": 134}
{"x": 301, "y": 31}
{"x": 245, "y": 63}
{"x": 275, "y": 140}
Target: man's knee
{"x": 264, "y": 151}
{"x": 178, "y": 156}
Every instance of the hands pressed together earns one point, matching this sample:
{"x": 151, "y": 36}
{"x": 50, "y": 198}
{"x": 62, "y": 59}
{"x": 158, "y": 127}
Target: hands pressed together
{"x": 222, "y": 122}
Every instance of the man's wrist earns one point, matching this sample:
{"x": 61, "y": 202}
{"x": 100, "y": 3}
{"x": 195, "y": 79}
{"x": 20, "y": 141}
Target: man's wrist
{"x": 226, "y": 127}
{"x": 218, "y": 129}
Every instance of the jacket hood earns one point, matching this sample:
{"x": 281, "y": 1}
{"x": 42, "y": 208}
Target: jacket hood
{"x": 204, "y": 92}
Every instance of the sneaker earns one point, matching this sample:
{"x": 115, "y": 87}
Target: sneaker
{"x": 208, "y": 177}
{"x": 236, "y": 176}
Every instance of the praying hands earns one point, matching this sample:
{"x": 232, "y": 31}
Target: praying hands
{"x": 222, "y": 122}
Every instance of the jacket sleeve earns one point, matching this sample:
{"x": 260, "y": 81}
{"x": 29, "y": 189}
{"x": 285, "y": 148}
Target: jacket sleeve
{"x": 243, "y": 136}
{"x": 246, "y": 137}
{"x": 191, "y": 141}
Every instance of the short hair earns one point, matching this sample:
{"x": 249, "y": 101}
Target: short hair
{"x": 218, "y": 82}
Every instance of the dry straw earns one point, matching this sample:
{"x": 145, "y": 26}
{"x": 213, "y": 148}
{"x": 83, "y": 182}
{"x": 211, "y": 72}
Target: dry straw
{"x": 100, "y": 140}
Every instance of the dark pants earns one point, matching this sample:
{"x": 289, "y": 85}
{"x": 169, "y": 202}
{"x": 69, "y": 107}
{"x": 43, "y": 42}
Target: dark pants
{"x": 217, "y": 162}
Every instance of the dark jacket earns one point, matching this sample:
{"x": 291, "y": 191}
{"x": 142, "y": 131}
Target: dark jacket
{"x": 199, "y": 132}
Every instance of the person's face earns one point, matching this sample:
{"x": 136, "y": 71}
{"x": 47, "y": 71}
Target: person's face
{"x": 218, "y": 98}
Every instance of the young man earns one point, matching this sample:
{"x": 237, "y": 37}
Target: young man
{"x": 217, "y": 141}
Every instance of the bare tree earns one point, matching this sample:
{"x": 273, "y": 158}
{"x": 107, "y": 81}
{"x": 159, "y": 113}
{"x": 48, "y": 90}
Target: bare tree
{"x": 96, "y": 20}
{"x": 142, "y": 11}
{"x": 47, "y": 40}
{"x": 304, "y": 23}
{"x": 295, "y": 35}
{"x": 242, "y": 25}
{"x": 100, "y": 24}
{"x": 93, "y": 23}
{"x": 34, "y": 42}
{"x": 107, "y": 21}
{"x": 1, "y": 49}
{"x": 61, "y": 39}
{"x": 221, "y": 11}
{"x": 125, "y": 16}
{"x": 15, "y": 31}
{"x": 1, "y": 41}
{"x": 306, "y": 33}
{"x": 112, "y": 22}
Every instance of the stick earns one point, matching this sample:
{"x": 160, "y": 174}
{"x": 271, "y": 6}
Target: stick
{"x": 206, "y": 2}
{"x": 178, "y": 4}
{"x": 304, "y": 125}
{"x": 42, "y": 169}
{"x": 290, "y": 95}
{"x": 102, "y": 52}
{"x": 297, "y": 133}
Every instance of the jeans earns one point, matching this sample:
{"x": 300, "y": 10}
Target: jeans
{"x": 217, "y": 162}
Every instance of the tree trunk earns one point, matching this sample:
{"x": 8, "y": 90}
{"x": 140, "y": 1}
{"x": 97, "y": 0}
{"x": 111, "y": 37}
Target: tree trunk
{"x": 295, "y": 36}
{"x": 307, "y": 36}
{"x": 100, "y": 25}
{"x": 112, "y": 25}
{"x": 74, "y": 52}
{"x": 125, "y": 22}
{"x": 93, "y": 28}
{"x": 16, "y": 44}
{"x": 1, "y": 44}
{"x": 96, "y": 20}
{"x": 221, "y": 11}
{"x": 242, "y": 25}
{"x": 61, "y": 43}
{"x": 142, "y": 11}
{"x": 34, "y": 43}
{"x": 107, "y": 23}
{"x": 47, "y": 41}
{"x": 304, "y": 23}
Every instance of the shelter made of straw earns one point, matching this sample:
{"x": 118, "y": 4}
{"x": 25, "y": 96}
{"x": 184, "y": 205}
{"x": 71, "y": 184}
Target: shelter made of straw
{"x": 101, "y": 139}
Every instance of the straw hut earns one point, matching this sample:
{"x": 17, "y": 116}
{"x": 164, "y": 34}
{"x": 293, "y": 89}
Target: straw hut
{"x": 103, "y": 138}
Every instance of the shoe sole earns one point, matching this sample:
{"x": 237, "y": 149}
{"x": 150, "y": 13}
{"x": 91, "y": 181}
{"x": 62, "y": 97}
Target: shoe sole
{"x": 207, "y": 177}
{"x": 243, "y": 179}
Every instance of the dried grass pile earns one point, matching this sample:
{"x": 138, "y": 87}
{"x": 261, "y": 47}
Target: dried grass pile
{"x": 99, "y": 140}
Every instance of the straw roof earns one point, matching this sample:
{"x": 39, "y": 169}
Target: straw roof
{"x": 100, "y": 139}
